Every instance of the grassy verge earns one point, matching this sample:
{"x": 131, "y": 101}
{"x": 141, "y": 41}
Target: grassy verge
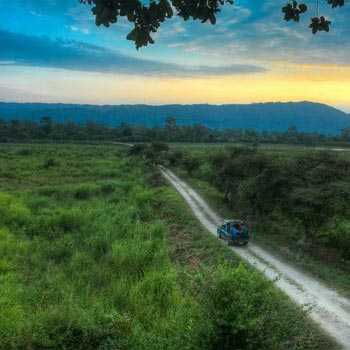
{"x": 97, "y": 253}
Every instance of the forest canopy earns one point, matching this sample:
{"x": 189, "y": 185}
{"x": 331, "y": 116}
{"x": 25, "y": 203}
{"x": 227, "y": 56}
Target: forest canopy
{"x": 147, "y": 18}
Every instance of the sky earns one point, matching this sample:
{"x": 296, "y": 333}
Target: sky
{"x": 52, "y": 51}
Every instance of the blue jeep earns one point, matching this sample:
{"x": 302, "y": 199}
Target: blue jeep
{"x": 236, "y": 232}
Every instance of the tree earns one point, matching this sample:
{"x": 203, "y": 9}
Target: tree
{"x": 175, "y": 157}
{"x": 345, "y": 134}
{"x": 3, "y": 130}
{"x": 126, "y": 130}
{"x": 170, "y": 123}
{"x": 320, "y": 190}
{"x": 191, "y": 164}
{"x": 138, "y": 149}
{"x": 170, "y": 128}
{"x": 46, "y": 126}
{"x": 148, "y": 18}
{"x": 16, "y": 129}
{"x": 317, "y": 205}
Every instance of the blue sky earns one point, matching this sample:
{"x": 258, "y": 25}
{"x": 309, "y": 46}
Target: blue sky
{"x": 52, "y": 51}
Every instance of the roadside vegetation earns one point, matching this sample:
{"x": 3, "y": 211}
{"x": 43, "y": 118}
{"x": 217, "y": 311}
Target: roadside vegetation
{"x": 297, "y": 201}
{"x": 96, "y": 252}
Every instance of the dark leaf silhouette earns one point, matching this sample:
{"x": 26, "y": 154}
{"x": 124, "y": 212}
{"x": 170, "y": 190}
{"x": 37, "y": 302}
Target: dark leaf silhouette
{"x": 147, "y": 19}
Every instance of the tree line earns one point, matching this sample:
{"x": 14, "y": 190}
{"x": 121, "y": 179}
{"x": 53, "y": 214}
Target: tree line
{"x": 49, "y": 130}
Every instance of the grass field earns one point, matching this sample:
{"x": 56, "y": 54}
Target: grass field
{"x": 96, "y": 252}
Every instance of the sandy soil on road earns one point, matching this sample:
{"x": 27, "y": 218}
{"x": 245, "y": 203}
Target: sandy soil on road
{"x": 328, "y": 308}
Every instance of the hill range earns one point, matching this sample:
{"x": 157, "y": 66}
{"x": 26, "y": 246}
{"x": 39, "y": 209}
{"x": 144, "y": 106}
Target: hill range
{"x": 305, "y": 116}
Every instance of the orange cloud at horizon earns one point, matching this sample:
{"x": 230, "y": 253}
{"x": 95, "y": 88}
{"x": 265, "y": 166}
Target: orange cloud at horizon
{"x": 326, "y": 84}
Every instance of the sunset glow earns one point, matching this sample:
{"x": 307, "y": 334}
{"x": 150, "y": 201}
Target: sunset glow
{"x": 53, "y": 52}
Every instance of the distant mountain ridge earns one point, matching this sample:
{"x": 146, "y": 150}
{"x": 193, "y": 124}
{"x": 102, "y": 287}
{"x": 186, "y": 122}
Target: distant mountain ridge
{"x": 305, "y": 116}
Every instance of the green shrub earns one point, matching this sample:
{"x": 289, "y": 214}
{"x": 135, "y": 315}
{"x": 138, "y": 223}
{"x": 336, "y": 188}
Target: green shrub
{"x": 138, "y": 149}
{"x": 36, "y": 202}
{"x": 86, "y": 191}
{"x": 99, "y": 245}
{"x": 205, "y": 171}
{"x": 69, "y": 220}
{"x": 12, "y": 211}
{"x": 49, "y": 163}
{"x": 155, "y": 179}
{"x": 191, "y": 163}
{"x": 10, "y": 246}
{"x": 58, "y": 251}
{"x": 71, "y": 327}
{"x": 134, "y": 257}
{"x": 337, "y": 235}
{"x": 24, "y": 152}
{"x": 108, "y": 187}
{"x": 82, "y": 261}
{"x": 158, "y": 146}
{"x": 143, "y": 199}
{"x": 156, "y": 292}
{"x": 81, "y": 191}
{"x": 175, "y": 157}
{"x": 57, "y": 192}
{"x": 240, "y": 304}
{"x": 54, "y": 223}
{"x": 12, "y": 315}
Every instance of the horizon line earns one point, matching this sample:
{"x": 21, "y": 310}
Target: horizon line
{"x": 342, "y": 109}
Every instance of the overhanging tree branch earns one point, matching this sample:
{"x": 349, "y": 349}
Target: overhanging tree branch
{"x": 148, "y": 18}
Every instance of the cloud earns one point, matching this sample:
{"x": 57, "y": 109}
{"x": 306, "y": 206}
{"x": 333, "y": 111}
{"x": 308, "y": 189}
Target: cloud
{"x": 81, "y": 30}
{"x": 7, "y": 63}
{"x": 256, "y": 33}
{"x": 27, "y": 50}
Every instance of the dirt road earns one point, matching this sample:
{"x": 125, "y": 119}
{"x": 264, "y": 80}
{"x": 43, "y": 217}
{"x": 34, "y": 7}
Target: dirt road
{"x": 328, "y": 308}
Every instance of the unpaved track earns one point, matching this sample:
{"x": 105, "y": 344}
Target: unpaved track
{"x": 328, "y": 308}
